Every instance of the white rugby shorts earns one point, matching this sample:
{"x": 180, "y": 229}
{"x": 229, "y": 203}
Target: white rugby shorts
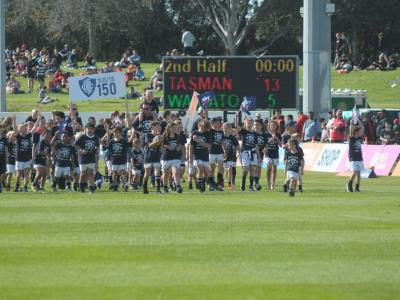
{"x": 357, "y": 166}
{"x": 22, "y": 165}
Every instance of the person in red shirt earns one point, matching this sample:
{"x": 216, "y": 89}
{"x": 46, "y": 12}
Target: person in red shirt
{"x": 369, "y": 129}
{"x": 338, "y": 128}
{"x": 280, "y": 120}
{"x": 301, "y": 120}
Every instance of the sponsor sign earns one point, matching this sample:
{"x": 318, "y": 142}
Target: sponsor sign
{"x": 330, "y": 158}
{"x": 379, "y": 157}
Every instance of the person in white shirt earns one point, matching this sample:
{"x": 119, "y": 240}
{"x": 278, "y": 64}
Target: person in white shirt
{"x": 188, "y": 40}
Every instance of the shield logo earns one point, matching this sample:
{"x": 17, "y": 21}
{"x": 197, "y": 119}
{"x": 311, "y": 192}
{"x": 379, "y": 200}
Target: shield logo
{"x": 87, "y": 86}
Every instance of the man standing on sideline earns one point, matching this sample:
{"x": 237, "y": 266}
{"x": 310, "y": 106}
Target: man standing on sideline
{"x": 338, "y": 128}
{"x": 188, "y": 40}
{"x": 312, "y": 129}
{"x": 301, "y": 120}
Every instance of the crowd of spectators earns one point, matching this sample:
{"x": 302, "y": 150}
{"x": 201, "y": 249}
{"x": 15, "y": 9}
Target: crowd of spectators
{"x": 380, "y": 129}
{"x": 345, "y": 61}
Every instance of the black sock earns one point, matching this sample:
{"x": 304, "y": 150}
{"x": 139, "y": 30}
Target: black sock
{"x": 256, "y": 180}
{"x": 145, "y": 184}
{"x": 82, "y": 187}
{"x": 220, "y": 178}
{"x": 92, "y": 188}
{"x": 158, "y": 182}
{"x": 69, "y": 184}
{"x": 233, "y": 173}
{"x": 211, "y": 181}
{"x": 33, "y": 176}
{"x": 56, "y": 181}
{"x": 243, "y": 180}
{"x": 251, "y": 181}
{"x": 300, "y": 187}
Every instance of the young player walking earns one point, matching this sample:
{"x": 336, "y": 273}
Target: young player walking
{"x": 355, "y": 155}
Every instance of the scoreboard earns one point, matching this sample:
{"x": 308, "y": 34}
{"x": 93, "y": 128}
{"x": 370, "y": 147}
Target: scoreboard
{"x": 272, "y": 80}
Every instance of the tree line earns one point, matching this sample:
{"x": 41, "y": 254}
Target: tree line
{"x": 153, "y": 27}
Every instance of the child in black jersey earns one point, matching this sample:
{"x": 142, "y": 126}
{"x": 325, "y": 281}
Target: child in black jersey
{"x": 183, "y": 140}
{"x": 231, "y": 147}
{"x": 137, "y": 159}
{"x": 356, "y": 132}
{"x": 171, "y": 157}
{"x": 261, "y": 140}
{"x": 41, "y": 160}
{"x": 273, "y": 141}
{"x": 198, "y": 153}
{"x": 23, "y": 152}
{"x": 249, "y": 153}
{"x": 216, "y": 155}
{"x": 152, "y": 152}
{"x": 3, "y": 156}
{"x": 118, "y": 152}
{"x": 65, "y": 154}
{"x": 11, "y": 138}
{"x": 294, "y": 165}
{"x": 88, "y": 150}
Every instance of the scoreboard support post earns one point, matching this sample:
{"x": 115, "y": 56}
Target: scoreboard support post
{"x": 317, "y": 56}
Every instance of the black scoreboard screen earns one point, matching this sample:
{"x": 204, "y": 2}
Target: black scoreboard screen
{"x": 271, "y": 80}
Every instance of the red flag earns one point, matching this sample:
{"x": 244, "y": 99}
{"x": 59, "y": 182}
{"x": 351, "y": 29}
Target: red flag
{"x": 194, "y": 103}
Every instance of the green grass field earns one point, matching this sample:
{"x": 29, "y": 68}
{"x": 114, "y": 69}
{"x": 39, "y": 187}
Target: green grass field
{"x": 380, "y": 95}
{"x": 323, "y": 244}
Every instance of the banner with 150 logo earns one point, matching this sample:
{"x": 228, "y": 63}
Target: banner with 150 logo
{"x": 98, "y": 86}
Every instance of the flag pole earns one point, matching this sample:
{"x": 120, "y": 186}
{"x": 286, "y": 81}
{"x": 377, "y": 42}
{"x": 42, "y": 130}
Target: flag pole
{"x": 126, "y": 104}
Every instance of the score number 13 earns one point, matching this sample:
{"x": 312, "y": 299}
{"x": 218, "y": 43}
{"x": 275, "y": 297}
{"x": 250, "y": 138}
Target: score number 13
{"x": 272, "y": 85}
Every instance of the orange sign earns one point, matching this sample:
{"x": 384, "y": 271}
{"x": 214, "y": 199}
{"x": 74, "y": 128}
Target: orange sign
{"x": 311, "y": 154}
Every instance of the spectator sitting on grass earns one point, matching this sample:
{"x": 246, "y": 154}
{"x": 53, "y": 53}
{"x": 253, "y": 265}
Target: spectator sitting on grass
{"x": 13, "y": 86}
{"x": 55, "y": 84}
{"x": 139, "y": 75}
{"x": 73, "y": 60}
{"x": 157, "y": 81}
{"x": 52, "y": 67}
{"x": 65, "y": 53}
{"x": 124, "y": 62}
{"x": 135, "y": 58}
{"x": 344, "y": 65}
{"x": 392, "y": 63}
{"x": 108, "y": 68}
{"x": 132, "y": 94}
{"x": 44, "y": 99}
{"x": 57, "y": 57}
{"x": 90, "y": 62}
